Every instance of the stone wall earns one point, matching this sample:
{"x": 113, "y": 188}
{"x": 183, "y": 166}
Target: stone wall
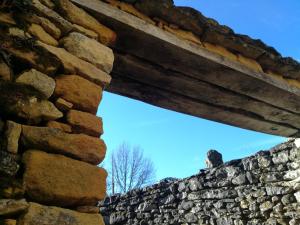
{"x": 258, "y": 190}
{"x": 54, "y": 65}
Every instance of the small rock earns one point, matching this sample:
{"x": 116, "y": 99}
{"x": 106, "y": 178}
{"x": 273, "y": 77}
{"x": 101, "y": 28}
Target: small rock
{"x": 83, "y": 94}
{"x": 10, "y": 207}
{"x": 8, "y": 164}
{"x": 63, "y": 105}
{"x": 38, "y": 214}
{"x": 38, "y": 80}
{"x": 58, "y": 180}
{"x": 89, "y": 50}
{"x": 39, "y": 32}
{"x": 13, "y": 132}
{"x": 266, "y": 206}
{"x": 214, "y": 159}
{"x": 86, "y": 32}
{"x": 86, "y": 123}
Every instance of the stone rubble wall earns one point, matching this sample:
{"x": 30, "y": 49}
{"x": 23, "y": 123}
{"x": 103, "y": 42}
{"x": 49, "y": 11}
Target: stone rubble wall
{"x": 55, "y": 61}
{"x": 263, "y": 189}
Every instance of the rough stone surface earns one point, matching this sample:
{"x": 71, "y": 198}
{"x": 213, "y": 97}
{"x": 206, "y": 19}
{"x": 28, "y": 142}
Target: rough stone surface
{"x": 39, "y": 81}
{"x": 89, "y": 50}
{"x": 86, "y": 123}
{"x": 88, "y": 209}
{"x": 214, "y": 159}
{"x": 75, "y": 65}
{"x": 231, "y": 194}
{"x": 86, "y": 32}
{"x": 11, "y": 188}
{"x": 38, "y": 214}
{"x": 83, "y": 94}
{"x": 39, "y": 32}
{"x": 61, "y": 126}
{"x": 8, "y": 164}
{"x": 58, "y": 180}
{"x": 12, "y": 133}
{"x": 80, "y": 17}
{"x": 78, "y": 146}
{"x": 9, "y": 207}
{"x": 54, "y": 17}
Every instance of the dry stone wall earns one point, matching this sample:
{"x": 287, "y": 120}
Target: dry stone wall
{"x": 263, "y": 189}
{"x": 55, "y": 62}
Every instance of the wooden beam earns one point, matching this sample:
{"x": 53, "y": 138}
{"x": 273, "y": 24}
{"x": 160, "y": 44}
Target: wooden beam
{"x": 147, "y": 41}
{"x": 150, "y": 74}
{"x": 179, "y": 103}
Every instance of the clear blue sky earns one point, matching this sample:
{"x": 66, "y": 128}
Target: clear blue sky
{"x": 178, "y": 143}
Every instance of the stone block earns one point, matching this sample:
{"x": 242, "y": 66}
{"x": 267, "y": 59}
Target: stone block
{"x": 39, "y": 32}
{"x": 10, "y": 207}
{"x": 63, "y": 105}
{"x": 12, "y": 133}
{"x": 58, "y": 180}
{"x": 38, "y": 214}
{"x": 78, "y": 146}
{"x": 83, "y": 94}
{"x": 61, "y": 126}
{"x": 89, "y": 50}
{"x": 86, "y": 123}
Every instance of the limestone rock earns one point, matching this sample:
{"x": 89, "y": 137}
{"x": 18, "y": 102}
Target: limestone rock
{"x": 86, "y": 123}
{"x": 20, "y": 101}
{"x": 61, "y": 126}
{"x": 8, "y": 164}
{"x": 58, "y": 180}
{"x": 78, "y": 146}
{"x": 86, "y": 32}
{"x": 13, "y": 132}
{"x": 63, "y": 105}
{"x": 79, "y": 16}
{"x": 54, "y": 17}
{"x": 89, "y": 50}
{"x": 83, "y": 94}
{"x": 39, "y": 81}
{"x": 74, "y": 65}
{"x": 214, "y": 159}
{"x": 38, "y": 214}
{"x": 39, "y": 32}
{"x": 9, "y": 207}
{"x": 48, "y": 26}
{"x": 5, "y": 73}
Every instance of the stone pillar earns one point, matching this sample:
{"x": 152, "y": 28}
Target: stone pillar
{"x": 54, "y": 65}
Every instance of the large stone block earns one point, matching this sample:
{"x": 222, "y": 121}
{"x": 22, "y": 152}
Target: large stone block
{"x": 12, "y": 133}
{"x": 89, "y": 50}
{"x": 78, "y": 146}
{"x": 43, "y": 215}
{"x": 39, "y": 32}
{"x": 86, "y": 123}
{"x": 75, "y": 65}
{"x": 84, "y": 95}
{"x": 58, "y": 180}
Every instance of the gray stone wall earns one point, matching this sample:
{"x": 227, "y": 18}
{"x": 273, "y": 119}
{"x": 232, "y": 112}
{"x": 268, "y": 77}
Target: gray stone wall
{"x": 261, "y": 189}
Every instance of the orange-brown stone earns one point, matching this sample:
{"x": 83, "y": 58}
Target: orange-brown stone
{"x": 61, "y": 126}
{"x": 84, "y": 94}
{"x": 60, "y": 181}
{"x": 83, "y": 122}
{"x": 78, "y": 146}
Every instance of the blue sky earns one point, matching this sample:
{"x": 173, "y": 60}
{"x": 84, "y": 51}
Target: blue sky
{"x": 178, "y": 143}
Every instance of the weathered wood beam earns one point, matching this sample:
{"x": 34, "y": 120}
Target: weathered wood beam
{"x": 150, "y": 74}
{"x": 147, "y": 41}
{"x": 179, "y": 103}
